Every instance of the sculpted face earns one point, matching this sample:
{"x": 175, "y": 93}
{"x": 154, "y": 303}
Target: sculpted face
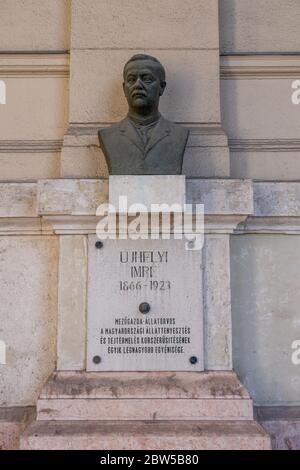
{"x": 143, "y": 86}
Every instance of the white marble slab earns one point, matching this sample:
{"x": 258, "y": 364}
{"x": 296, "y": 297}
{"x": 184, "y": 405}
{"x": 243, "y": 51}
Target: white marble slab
{"x": 164, "y": 190}
{"x": 122, "y": 275}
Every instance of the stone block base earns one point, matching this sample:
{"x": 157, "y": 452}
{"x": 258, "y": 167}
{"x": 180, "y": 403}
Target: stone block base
{"x": 138, "y": 435}
{"x": 282, "y": 423}
{"x": 13, "y": 421}
{"x": 144, "y": 410}
{"x": 285, "y": 435}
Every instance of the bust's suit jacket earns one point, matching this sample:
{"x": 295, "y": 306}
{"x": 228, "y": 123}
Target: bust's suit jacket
{"x": 125, "y": 155}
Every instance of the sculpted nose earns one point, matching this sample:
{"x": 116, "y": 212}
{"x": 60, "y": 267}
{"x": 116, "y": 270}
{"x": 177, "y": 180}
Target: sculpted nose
{"x": 138, "y": 83}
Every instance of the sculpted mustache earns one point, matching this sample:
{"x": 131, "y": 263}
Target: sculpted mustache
{"x": 138, "y": 92}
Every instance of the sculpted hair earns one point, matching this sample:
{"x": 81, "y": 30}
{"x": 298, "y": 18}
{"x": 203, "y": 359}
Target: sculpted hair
{"x": 159, "y": 66}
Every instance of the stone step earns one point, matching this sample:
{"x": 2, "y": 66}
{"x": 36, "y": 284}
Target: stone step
{"x": 144, "y": 396}
{"x": 144, "y": 409}
{"x": 144, "y": 385}
{"x": 154, "y": 435}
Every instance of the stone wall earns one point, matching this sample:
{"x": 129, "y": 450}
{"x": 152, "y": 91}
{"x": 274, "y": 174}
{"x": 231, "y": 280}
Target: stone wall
{"x": 265, "y": 311}
{"x": 259, "y": 45}
{"x": 185, "y": 38}
{"x": 34, "y": 64}
{"x": 28, "y": 316}
{"x": 232, "y": 70}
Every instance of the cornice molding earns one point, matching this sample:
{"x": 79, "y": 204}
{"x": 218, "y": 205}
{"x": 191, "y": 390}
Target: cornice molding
{"x": 68, "y": 206}
{"x": 259, "y": 67}
{"x": 30, "y": 146}
{"x": 22, "y": 65}
{"x": 264, "y": 145}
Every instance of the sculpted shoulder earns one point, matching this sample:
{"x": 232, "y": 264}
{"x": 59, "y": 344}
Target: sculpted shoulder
{"x": 108, "y": 131}
{"x": 177, "y": 128}
{"x": 177, "y": 132}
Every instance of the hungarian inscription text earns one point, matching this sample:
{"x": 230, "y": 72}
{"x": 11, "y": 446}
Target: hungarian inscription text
{"x": 161, "y": 275}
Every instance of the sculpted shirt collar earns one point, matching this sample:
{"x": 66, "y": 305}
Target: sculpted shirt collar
{"x": 157, "y": 129}
{"x": 144, "y": 129}
{"x": 144, "y": 122}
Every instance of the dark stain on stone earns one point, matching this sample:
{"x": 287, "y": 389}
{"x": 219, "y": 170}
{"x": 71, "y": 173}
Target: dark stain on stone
{"x": 46, "y": 410}
{"x": 288, "y": 443}
{"x": 114, "y": 391}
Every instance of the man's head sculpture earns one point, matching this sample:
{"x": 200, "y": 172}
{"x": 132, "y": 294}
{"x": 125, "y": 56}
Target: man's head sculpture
{"x": 144, "y": 142}
{"x": 144, "y": 83}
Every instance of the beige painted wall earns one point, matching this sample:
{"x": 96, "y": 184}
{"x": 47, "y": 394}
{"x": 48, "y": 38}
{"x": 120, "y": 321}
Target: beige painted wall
{"x": 257, "y": 38}
{"x": 34, "y": 35}
{"x": 34, "y": 25}
{"x": 259, "y": 26}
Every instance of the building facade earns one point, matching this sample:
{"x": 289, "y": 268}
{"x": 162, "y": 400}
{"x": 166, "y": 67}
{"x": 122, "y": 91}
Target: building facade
{"x": 234, "y": 67}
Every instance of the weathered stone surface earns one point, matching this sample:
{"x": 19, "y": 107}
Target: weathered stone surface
{"x": 276, "y": 199}
{"x": 154, "y": 396}
{"x": 133, "y": 435}
{"x": 147, "y": 385}
{"x": 22, "y": 226}
{"x": 285, "y": 434}
{"x": 13, "y": 422}
{"x": 82, "y": 197}
{"x": 72, "y": 303}
{"x": 18, "y": 199}
{"x": 221, "y": 196}
{"x": 145, "y": 410}
{"x": 140, "y": 409}
{"x": 28, "y": 310}
{"x": 283, "y": 425}
{"x": 72, "y": 197}
{"x": 34, "y": 25}
{"x": 217, "y": 303}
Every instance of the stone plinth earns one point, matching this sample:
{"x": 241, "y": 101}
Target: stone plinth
{"x": 137, "y": 435}
{"x": 144, "y": 396}
{"x": 158, "y": 410}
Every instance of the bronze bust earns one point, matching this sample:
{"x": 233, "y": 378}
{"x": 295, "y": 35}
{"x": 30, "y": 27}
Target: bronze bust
{"x": 144, "y": 142}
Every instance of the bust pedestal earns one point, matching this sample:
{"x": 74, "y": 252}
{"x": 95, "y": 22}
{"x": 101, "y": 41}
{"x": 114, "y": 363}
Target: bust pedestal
{"x": 144, "y": 400}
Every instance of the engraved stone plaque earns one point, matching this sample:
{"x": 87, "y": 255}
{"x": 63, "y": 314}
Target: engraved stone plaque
{"x": 144, "y": 306}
